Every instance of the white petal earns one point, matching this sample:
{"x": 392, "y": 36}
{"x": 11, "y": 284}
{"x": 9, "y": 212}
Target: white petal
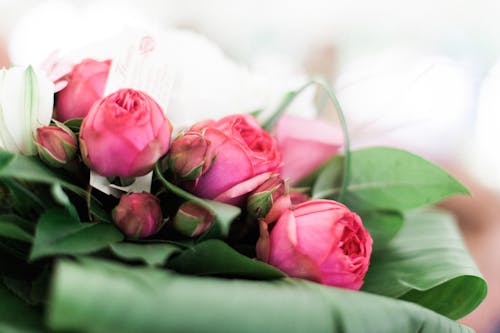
{"x": 12, "y": 109}
{"x": 26, "y": 103}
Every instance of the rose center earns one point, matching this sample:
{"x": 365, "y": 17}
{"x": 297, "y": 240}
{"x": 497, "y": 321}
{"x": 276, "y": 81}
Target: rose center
{"x": 350, "y": 245}
{"x": 255, "y": 142}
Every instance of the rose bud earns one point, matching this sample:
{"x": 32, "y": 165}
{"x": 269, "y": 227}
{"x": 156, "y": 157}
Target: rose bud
{"x": 192, "y": 219}
{"x": 242, "y": 157}
{"x": 124, "y": 134}
{"x": 190, "y": 156}
{"x": 269, "y": 200}
{"x": 86, "y": 84}
{"x": 305, "y": 145}
{"x": 138, "y": 215}
{"x": 322, "y": 241}
{"x": 56, "y": 145}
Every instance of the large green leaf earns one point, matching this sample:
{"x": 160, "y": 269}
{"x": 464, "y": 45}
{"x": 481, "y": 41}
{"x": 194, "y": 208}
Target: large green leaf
{"x": 224, "y": 214}
{"x": 214, "y": 257}
{"x": 57, "y": 232}
{"x": 153, "y": 254}
{"x": 428, "y": 263}
{"x": 382, "y": 226}
{"x": 390, "y": 179}
{"x": 17, "y": 316}
{"x": 151, "y": 300}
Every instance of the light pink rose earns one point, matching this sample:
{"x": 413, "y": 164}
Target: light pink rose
{"x": 237, "y": 156}
{"x": 305, "y": 145}
{"x": 86, "y": 84}
{"x": 319, "y": 240}
{"x": 124, "y": 134}
{"x": 138, "y": 215}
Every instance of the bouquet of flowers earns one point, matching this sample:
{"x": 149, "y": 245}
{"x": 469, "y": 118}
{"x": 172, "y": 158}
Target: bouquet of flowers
{"x": 114, "y": 220}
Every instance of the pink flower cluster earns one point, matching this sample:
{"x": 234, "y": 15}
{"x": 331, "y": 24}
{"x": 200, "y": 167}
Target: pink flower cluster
{"x": 231, "y": 160}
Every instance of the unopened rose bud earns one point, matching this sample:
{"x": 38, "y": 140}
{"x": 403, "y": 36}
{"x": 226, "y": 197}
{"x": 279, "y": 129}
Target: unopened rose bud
{"x": 269, "y": 199}
{"x": 138, "y": 215}
{"x": 56, "y": 145}
{"x": 190, "y": 156}
{"x": 192, "y": 219}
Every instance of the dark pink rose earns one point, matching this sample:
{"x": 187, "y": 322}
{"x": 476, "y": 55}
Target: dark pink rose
{"x": 235, "y": 157}
{"x": 138, "y": 215}
{"x": 319, "y": 240}
{"x": 86, "y": 84}
{"x": 305, "y": 145}
{"x": 124, "y": 134}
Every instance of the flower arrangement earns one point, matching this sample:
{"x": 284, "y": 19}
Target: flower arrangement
{"x": 247, "y": 225}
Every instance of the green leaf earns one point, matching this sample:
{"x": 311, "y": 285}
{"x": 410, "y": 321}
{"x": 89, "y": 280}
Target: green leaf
{"x": 428, "y": 263}
{"x": 214, "y": 257}
{"x": 151, "y": 254}
{"x": 30, "y": 169}
{"x": 17, "y": 316}
{"x": 61, "y": 198}
{"x": 14, "y": 227}
{"x": 391, "y": 179}
{"x": 74, "y": 124}
{"x": 328, "y": 91}
{"x": 57, "y": 232}
{"x": 151, "y": 300}
{"x": 382, "y": 226}
{"x": 30, "y": 290}
{"x": 330, "y": 176}
{"x": 224, "y": 214}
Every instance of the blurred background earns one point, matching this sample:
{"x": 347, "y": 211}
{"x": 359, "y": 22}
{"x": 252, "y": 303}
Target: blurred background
{"x": 422, "y": 75}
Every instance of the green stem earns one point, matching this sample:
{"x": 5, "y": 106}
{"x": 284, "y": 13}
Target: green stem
{"x": 288, "y": 99}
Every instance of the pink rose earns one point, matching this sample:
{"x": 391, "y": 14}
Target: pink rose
{"x": 124, "y": 134}
{"x": 86, "y": 84}
{"x": 305, "y": 145}
{"x": 231, "y": 157}
{"x": 319, "y": 240}
{"x": 138, "y": 215}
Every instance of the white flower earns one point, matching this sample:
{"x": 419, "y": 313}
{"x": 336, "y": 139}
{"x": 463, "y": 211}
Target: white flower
{"x": 26, "y": 103}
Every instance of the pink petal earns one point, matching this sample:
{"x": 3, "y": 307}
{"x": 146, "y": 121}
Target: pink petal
{"x": 281, "y": 205}
{"x": 317, "y": 233}
{"x": 231, "y": 166}
{"x": 284, "y": 253}
{"x": 305, "y": 145}
{"x": 235, "y": 193}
